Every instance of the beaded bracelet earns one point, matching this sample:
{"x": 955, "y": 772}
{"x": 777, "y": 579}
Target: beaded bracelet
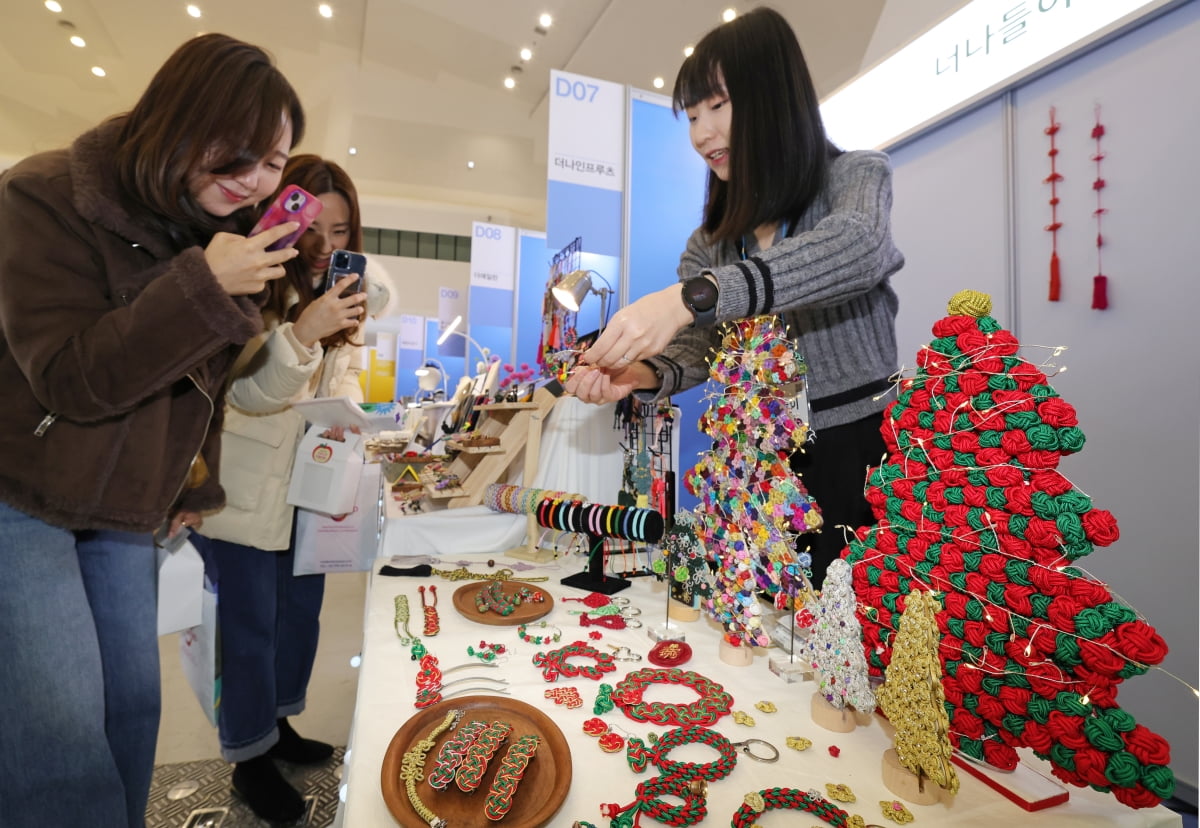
{"x": 412, "y": 768}
{"x": 790, "y": 799}
{"x": 713, "y": 703}
{"x": 554, "y": 663}
{"x": 452, "y": 754}
{"x": 638, "y": 756}
{"x": 479, "y": 755}
{"x": 548, "y": 638}
{"x": 508, "y": 776}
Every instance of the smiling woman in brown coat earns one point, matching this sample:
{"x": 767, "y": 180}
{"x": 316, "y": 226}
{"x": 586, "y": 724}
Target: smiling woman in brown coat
{"x": 126, "y": 292}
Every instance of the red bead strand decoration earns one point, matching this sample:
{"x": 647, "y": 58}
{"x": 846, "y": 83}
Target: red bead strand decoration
{"x": 432, "y": 622}
{"x": 1100, "y": 281}
{"x": 1055, "y": 225}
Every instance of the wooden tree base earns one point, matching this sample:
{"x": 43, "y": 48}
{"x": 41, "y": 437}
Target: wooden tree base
{"x": 831, "y": 718}
{"x": 907, "y": 785}
{"x": 681, "y": 612}
{"x": 742, "y": 656}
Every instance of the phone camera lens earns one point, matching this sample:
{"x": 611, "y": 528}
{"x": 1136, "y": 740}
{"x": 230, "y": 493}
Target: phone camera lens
{"x": 341, "y": 260}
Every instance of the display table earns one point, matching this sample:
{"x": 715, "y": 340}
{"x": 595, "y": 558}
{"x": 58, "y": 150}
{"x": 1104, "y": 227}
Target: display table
{"x": 387, "y": 688}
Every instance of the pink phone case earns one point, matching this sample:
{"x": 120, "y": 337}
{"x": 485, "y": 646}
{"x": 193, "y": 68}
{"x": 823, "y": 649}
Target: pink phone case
{"x": 293, "y": 204}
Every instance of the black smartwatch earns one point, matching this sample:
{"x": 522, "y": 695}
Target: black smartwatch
{"x": 700, "y": 297}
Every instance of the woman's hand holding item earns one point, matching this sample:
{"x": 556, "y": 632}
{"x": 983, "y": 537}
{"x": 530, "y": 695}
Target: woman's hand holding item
{"x": 243, "y": 265}
{"x": 330, "y": 313}
{"x": 599, "y": 385}
{"x": 184, "y": 520}
{"x": 640, "y": 330}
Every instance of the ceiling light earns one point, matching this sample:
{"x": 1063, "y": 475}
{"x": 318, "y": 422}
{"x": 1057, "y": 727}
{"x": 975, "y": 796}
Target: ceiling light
{"x": 545, "y": 20}
{"x": 470, "y": 165}
{"x": 98, "y": 72}
{"x": 687, "y": 51}
{"x": 326, "y": 10}
{"x": 193, "y": 10}
{"x": 76, "y": 40}
{"x": 526, "y": 53}
{"x": 353, "y": 150}
{"x": 509, "y": 83}
{"x": 728, "y": 15}
{"x": 658, "y": 83}
{"x": 54, "y": 6}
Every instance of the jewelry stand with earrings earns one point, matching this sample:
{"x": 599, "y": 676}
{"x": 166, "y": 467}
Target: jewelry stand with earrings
{"x": 598, "y": 522}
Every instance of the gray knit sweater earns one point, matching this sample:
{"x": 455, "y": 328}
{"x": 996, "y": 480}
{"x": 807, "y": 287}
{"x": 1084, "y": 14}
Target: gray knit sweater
{"x": 828, "y": 281}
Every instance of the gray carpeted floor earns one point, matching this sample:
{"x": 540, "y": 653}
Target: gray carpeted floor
{"x": 198, "y": 795}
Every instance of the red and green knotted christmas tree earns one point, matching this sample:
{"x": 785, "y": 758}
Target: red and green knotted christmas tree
{"x": 969, "y": 503}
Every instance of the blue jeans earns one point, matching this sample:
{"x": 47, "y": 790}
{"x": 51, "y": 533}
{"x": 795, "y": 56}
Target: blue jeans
{"x": 79, "y": 682}
{"x": 269, "y": 622}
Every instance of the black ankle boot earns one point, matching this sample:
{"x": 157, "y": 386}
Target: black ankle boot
{"x": 262, "y": 786}
{"x": 292, "y": 747}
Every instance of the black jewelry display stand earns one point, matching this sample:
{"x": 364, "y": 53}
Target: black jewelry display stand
{"x": 594, "y": 579}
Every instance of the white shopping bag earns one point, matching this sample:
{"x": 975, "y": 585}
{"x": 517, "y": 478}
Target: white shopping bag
{"x": 200, "y": 654}
{"x": 180, "y": 585}
{"x": 325, "y": 477}
{"x": 344, "y": 543}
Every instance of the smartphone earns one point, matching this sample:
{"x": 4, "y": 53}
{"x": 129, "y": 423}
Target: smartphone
{"x": 341, "y": 264}
{"x": 292, "y": 204}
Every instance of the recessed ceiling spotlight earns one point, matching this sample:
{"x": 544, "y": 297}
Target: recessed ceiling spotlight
{"x": 76, "y": 40}
{"x": 470, "y": 165}
{"x": 658, "y": 83}
{"x": 53, "y": 5}
{"x": 353, "y": 150}
{"x": 728, "y": 14}
{"x": 98, "y": 72}
{"x": 326, "y": 10}
{"x": 526, "y": 53}
{"x": 545, "y": 20}
{"x": 193, "y": 10}
{"x": 687, "y": 51}
{"x": 509, "y": 82}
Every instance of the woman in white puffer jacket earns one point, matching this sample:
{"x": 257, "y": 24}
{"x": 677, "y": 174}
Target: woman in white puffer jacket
{"x": 268, "y": 617}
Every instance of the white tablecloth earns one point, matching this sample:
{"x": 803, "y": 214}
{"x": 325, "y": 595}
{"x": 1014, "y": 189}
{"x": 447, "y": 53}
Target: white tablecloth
{"x": 386, "y": 691}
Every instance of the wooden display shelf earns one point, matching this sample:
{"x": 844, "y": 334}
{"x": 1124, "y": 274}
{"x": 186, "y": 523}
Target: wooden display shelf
{"x": 519, "y": 427}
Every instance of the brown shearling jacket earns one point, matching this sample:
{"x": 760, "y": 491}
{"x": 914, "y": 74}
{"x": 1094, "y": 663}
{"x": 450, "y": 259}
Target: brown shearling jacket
{"x": 114, "y": 349}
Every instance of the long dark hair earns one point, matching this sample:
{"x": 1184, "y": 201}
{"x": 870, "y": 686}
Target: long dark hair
{"x": 779, "y": 153}
{"x": 318, "y": 176}
{"x": 217, "y": 104}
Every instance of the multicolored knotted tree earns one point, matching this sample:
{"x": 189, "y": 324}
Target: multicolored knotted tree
{"x": 752, "y": 506}
{"x": 970, "y": 504}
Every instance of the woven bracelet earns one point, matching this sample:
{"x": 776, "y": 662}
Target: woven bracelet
{"x": 452, "y": 754}
{"x": 508, "y": 776}
{"x": 479, "y": 755}
{"x": 713, "y": 703}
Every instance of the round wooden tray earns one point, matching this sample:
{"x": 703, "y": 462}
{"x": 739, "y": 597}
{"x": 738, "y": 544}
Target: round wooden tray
{"x": 541, "y": 793}
{"x": 526, "y": 611}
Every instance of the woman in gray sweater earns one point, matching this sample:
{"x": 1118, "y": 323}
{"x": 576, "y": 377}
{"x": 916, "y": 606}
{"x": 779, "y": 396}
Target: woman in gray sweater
{"x": 792, "y": 226}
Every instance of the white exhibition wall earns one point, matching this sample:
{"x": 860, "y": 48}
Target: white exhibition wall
{"x": 964, "y": 188}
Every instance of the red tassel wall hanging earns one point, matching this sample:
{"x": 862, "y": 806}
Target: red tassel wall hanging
{"x": 1100, "y": 281}
{"x": 1055, "y": 225}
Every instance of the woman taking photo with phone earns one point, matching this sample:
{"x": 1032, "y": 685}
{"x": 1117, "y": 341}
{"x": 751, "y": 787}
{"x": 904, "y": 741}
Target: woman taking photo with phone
{"x": 792, "y": 226}
{"x": 269, "y": 618}
{"x": 126, "y": 293}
